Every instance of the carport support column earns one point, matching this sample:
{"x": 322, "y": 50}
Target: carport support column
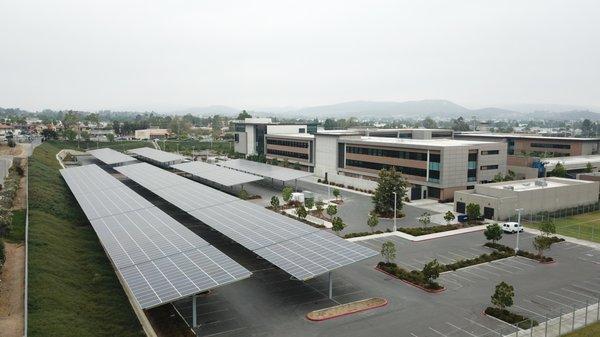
{"x": 194, "y": 323}
{"x": 295, "y": 185}
{"x": 330, "y": 286}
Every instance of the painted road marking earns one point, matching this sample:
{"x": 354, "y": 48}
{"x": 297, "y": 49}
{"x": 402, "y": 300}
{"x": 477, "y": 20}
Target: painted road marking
{"x": 578, "y": 293}
{"x": 439, "y": 333}
{"x": 452, "y": 325}
{"x": 572, "y": 299}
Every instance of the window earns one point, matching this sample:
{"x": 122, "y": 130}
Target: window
{"x": 488, "y": 152}
{"x": 377, "y": 166}
{"x": 551, "y": 146}
{"x": 472, "y": 174}
{"x": 287, "y": 154}
{"x": 473, "y": 156}
{"x": 387, "y": 153}
{"x": 488, "y": 167}
{"x": 290, "y": 143}
{"x": 236, "y": 137}
{"x": 301, "y": 130}
{"x": 240, "y": 128}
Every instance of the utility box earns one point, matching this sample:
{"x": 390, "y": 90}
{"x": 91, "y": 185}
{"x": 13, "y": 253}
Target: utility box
{"x": 298, "y": 196}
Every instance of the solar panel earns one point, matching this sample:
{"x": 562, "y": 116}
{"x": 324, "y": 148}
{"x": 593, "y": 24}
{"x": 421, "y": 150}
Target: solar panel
{"x": 314, "y": 254}
{"x": 216, "y": 174}
{"x": 110, "y": 156}
{"x": 251, "y": 225}
{"x": 109, "y": 202}
{"x": 145, "y": 235}
{"x": 151, "y": 177}
{"x": 158, "y": 156}
{"x": 180, "y": 275}
{"x": 79, "y": 179}
{"x": 265, "y": 170}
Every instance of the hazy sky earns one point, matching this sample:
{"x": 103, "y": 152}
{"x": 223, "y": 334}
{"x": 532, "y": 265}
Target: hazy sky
{"x": 175, "y": 53}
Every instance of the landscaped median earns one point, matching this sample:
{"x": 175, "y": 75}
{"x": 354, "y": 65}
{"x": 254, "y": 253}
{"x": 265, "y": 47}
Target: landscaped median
{"x": 414, "y": 277}
{"x": 346, "y": 309}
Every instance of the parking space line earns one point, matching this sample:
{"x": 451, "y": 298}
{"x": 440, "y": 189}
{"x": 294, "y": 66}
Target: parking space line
{"x": 517, "y": 259}
{"x": 533, "y": 312}
{"x": 465, "y": 252}
{"x": 447, "y": 279}
{"x": 452, "y": 325}
{"x": 407, "y": 265}
{"x": 423, "y": 262}
{"x": 461, "y": 257}
{"x": 480, "y": 251}
{"x": 481, "y": 325}
{"x": 462, "y": 277}
{"x": 439, "y": 333}
{"x": 572, "y": 299}
{"x": 578, "y": 293}
{"x": 413, "y": 335}
{"x": 553, "y": 301}
{"x": 469, "y": 272}
{"x": 508, "y": 265}
{"x": 496, "y": 267}
{"x": 592, "y": 283}
{"x": 487, "y": 271}
{"x": 586, "y": 289}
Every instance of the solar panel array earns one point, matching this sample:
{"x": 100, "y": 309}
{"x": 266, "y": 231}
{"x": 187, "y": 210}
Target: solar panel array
{"x": 157, "y": 156}
{"x": 301, "y": 250}
{"x": 110, "y": 156}
{"x": 265, "y": 170}
{"x": 216, "y": 174}
{"x": 159, "y": 259}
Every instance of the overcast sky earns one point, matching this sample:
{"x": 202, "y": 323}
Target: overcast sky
{"x": 176, "y": 53}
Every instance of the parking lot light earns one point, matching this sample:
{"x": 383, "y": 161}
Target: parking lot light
{"x": 395, "y": 203}
{"x": 519, "y": 210}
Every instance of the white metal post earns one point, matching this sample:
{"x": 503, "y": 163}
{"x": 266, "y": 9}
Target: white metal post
{"x": 519, "y": 230}
{"x": 194, "y": 323}
{"x": 330, "y": 286}
{"x": 395, "y": 203}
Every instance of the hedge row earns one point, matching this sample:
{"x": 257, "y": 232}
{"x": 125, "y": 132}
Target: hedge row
{"x": 483, "y": 258}
{"x": 413, "y": 276}
{"x": 417, "y": 231}
{"x": 350, "y": 187}
{"x": 359, "y": 234}
{"x": 511, "y": 318}
{"x": 523, "y": 253}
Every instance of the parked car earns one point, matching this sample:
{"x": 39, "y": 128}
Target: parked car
{"x": 512, "y": 227}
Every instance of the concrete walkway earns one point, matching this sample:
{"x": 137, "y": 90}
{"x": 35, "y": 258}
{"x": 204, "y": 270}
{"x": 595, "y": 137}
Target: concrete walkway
{"x": 586, "y": 243}
{"x": 421, "y": 237}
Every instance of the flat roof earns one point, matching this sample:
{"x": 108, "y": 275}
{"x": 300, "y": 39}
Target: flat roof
{"x": 519, "y": 135}
{"x": 415, "y": 142}
{"x": 110, "y": 156}
{"x": 158, "y": 156}
{"x": 265, "y": 170}
{"x": 216, "y": 174}
{"x": 530, "y": 184}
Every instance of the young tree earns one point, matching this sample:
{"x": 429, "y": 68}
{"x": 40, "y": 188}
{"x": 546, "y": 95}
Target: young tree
{"x": 542, "y": 243}
{"x": 504, "y": 295}
{"x": 337, "y": 225}
{"x": 243, "y": 194}
{"x": 309, "y": 202}
{"x": 473, "y": 212}
{"x": 449, "y": 217}
{"x": 389, "y": 182}
{"x": 301, "y": 212}
{"x": 558, "y": 171}
{"x": 388, "y": 251}
{"x": 296, "y": 166}
{"x": 275, "y": 202}
{"x": 336, "y": 193}
{"x": 431, "y": 271}
{"x": 373, "y": 221}
{"x": 425, "y": 219}
{"x": 70, "y": 134}
{"x": 588, "y": 167}
{"x": 286, "y": 163}
{"x": 331, "y": 210}
{"x": 286, "y": 193}
{"x": 319, "y": 204}
{"x": 547, "y": 227}
{"x": 493, "y": 233}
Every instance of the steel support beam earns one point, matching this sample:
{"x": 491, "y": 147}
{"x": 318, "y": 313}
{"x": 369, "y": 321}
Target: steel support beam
{"x": 330, "y": 286}
{"x": 194, "y": 322}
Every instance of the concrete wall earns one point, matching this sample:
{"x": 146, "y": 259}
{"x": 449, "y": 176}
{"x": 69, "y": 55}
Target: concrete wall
{"x": 351, "y": 181}
{"x": 250, "y": 140}
{"x": 491, "y": 159}
{"x": 271, "y": 129}
{"x": 325, "y": 155}
{"x": 454, "y": 167}
{"x": 241, "y": 146}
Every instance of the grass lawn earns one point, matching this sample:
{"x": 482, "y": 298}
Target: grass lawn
{"x": 17, "y": 228}
{"x": 589, "y": 331}
{"x": 583, "y": 226}
{"x": 73, "y": 289}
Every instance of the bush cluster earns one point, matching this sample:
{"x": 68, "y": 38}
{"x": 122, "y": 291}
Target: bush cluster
{"x": 416, "y": 231}
{"x": 512, "y": 318}
{"x": 505, "y": 249}
{"x": 413, "y": 276}
{"x": 359, "y": 234}
{"x": 533, "y": 256}
{"x": 483, "y": 258}
{"x": 302, "y": 220}
{"x": 499, "y": 247}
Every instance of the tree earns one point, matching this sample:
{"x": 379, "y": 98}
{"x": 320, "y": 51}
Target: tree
{"x": 309, "y": 202}
{"x": 286, "y": 163}
{"x": 70, "y": 134}
{"x": 243, "y": 194}
{"x": 425, "y": 219}
{"x": 431, "y": 271}
{"x": 429, "y": 123}
{"x": 586, "y": 127}
{"x": 301, "y": 212}
{"x": 286, "y": 193}
{"x": 388, "y": 251}
{"x": 473, "y": 212}
{"x": 589, "y": 168}
{"x": 547, "y": 227}
{"x": 449, "y": 217}
{"x": 329, "y": 124}
{"x": 296, "y": 166}
{"x": 337, "y": 225}
{"x": 389, "y": 182}
{"x": 373, "y": 221}
{"x": 493, "y": 232}
{"x": 336, "y": 193}
{"x": 275, "y": 202}
{"x": 542, "y": 243}
{"x": 459, "y": 124}
{"x": 86, "y": 136}
{"x": 110, "y": 137}
{"x": 319, "y": 204}
{"x": 558, "y": 171}
{"x": 504, "y": 295}
{"x": 331, "y": 210}
{"x": 49, "y": 134}
{"x": 243, "y": 115}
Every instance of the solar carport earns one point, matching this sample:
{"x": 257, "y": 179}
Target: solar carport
{"x": 273, "y": 172}
{"x": 215, "y": 174}
{"x": 111, "y": 157}
{"x": 157, "y": 157}
{"x": 157, "y": 259}
{"x": 301, "y": 250}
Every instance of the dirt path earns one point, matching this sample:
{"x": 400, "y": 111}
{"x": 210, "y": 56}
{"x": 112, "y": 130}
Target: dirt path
{"x": 11, "y": 291}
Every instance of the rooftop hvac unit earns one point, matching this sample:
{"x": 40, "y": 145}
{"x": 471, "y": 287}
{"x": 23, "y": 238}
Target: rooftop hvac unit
{"x": 541, "y": 183}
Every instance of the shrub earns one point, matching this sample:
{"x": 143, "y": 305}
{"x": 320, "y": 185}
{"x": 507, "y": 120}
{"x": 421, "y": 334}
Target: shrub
{"x": 533, "y": 256}
{"x": 417, "y": 231}
{"x": 413, "y": 276}
{"x": 359, "y": 234}
{"x": 511, "y": 318}
{"x": 1, "y": 253}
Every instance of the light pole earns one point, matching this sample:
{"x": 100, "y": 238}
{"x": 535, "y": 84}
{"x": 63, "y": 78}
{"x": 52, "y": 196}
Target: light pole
{"x": 395, "y": 203}
{"x": 519, "y": 210}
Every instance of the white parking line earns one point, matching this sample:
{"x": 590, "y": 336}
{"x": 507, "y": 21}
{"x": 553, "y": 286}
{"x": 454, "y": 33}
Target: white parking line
{"x": 496, "y": 267}
{"x": 461, "y": 256}
{"x": 413, "y": 335}
{"x": 462, "y": 277}
{"x": 572, "y": 299}
{"x": 553, "y": 301}
{"x": 578, "y": 293}
{"x": 452, "y": 325}
{"x": 533, "y": 312}
{"x": 439, "y": 333}
{"x": 522, "y": 260}
{"x": 410, "y": 266}
{"x": 508, "y": 265}
{"x": 586, "y": 289}
{"x": 481, "y": 325}
{"x": 469, "y": 272}
{"x": 480, "y": 267}
{"x": 592, "y": 283}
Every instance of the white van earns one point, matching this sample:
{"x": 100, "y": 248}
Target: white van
{"x": 512, "y": 227}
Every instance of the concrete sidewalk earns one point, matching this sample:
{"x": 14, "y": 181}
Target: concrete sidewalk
{"x": 586, "y": 243}
{"x": 421, "y": 237}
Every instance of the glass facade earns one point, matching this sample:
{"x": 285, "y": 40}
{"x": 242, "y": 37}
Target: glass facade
{"x": 285, "y": 142}
{"x": 386, "y": 153}
{"x": 377, "y": 166}
{"x": 287, "y": 154}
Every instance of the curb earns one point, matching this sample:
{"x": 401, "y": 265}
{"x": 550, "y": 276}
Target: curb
{"x": 431, "y": 291}
{"x": 347, "y": 313}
